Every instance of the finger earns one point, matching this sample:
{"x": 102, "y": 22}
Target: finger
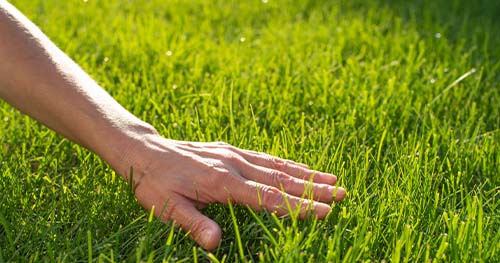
{"x": 269, "y": 159}
{"x": 290, "y": 167}
{"x": 183, "y": 213}
{"x": 201, "y": 228}
{"x": 246, "y": 153}
{"x": 264, "y": 197}
{"x": 292, "y": 185}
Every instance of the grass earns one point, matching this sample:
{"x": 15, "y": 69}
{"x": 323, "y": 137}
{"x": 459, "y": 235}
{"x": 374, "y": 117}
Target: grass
{"x": 400, "y": 100}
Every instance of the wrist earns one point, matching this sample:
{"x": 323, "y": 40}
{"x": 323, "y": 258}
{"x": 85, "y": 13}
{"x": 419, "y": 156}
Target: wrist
{"x": 122, "y": 145}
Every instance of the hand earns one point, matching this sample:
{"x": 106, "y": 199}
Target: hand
{"x": 178, "y": 178}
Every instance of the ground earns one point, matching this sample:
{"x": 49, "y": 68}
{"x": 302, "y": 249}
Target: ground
{"x": 399, "y": 99}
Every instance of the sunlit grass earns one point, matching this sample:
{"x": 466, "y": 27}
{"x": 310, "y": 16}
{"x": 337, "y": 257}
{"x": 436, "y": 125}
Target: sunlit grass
{"x": 400, "y": 100}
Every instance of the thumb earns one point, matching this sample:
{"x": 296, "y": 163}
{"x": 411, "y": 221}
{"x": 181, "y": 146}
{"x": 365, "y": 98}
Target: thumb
{"x": 201, "y": 228}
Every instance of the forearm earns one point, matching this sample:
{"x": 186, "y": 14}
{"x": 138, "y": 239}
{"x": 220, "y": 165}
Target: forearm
{"x": 41, "y": 81}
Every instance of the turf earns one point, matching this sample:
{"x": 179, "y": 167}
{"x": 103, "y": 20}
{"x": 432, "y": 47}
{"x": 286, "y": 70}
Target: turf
{"x": 399, "y": 99}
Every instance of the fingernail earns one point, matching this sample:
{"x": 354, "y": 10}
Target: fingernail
{"x": 329, "y": 178}
{"x": 206, "y": 238}
{"x": 338, "y": 193}
{"x": 333, "y": 179}
{"x": 322, "y": 210}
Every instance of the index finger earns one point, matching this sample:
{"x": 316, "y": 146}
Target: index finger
{"x": 289, "y": 167}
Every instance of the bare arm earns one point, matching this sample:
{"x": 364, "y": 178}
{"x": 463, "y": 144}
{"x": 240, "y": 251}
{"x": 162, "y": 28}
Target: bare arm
{"x": 40, "y": 80}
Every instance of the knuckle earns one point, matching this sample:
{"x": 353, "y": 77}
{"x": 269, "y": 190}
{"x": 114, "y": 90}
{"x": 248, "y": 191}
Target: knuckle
{"x": 195, "y": 225}
{"x": 279, "y": 179}
{"x": 231, "y": 148}
{"x": 190, "y": 144}
{"x": 232, "y": 157}
{"x": 212, "y": 165}
{"x": 219, "y": 176}
{"x": 271, "y": 196}
{"x": 266, "y": 157}
{"x": 278, "y": 163}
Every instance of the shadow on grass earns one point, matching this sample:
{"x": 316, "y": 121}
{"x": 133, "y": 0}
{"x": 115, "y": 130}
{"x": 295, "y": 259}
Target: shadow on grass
{"x": 479, "y": 16}
{"x": 456, "y": 16}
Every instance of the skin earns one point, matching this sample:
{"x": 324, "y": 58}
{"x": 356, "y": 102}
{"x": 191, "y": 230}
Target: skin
{"x": 175, "y": 178}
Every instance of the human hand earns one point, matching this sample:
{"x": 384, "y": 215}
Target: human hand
{"x": 180, "y": 176}
{"x": 177, "y": 178}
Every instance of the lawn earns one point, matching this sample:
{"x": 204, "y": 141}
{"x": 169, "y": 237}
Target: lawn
{"x": 400, "y": 99}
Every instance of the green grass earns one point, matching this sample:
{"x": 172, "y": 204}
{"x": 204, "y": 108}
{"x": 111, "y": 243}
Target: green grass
{"x": 400, "y": 100}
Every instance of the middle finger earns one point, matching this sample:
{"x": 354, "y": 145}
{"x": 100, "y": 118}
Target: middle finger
{"x": 292, "y": 185}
